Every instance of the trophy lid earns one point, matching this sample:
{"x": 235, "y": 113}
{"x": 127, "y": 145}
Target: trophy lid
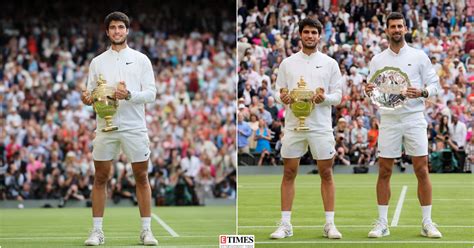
{"x": 101, "y": 80}
{"x": 301, "y": 83}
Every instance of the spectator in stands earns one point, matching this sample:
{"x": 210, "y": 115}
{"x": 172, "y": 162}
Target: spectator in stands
{"x": 263, "y": 137}
{"x": 272, "y": 108}
{"x": 470, "y": 156}
{"x": 342, "y": 150}
{"x": 253, "y": 122}
{"x": 264, "y": 115}
{"x": 458, "y": 133}
{"x": 373, "y": 135}
{"x": 360, "y": 151}
{"x": 244, "y": 132}
{"x": 358, "y": 129}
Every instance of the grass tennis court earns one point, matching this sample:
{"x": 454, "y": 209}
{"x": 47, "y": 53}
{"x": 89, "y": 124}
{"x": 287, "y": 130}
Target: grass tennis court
{"x": 453, "y": 211}
{"x": 195, "y": 226}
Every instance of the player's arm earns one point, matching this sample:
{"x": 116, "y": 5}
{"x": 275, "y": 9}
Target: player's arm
{"x": 429, "y": 77}
{"x": 148, "y": 92}
{"x": 334, "y": 95}
{"x": 91, "y": 83}
{"x": 369, "y": 86}
{"x": 281, "y": 83}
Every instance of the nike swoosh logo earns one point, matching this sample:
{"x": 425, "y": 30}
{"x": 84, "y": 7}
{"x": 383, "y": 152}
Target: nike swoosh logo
{"x": 319, "y": 66}
{"x": 127, "y": 63}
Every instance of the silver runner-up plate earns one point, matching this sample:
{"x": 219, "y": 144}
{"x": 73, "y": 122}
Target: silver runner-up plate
{"x": 391, "y": 85}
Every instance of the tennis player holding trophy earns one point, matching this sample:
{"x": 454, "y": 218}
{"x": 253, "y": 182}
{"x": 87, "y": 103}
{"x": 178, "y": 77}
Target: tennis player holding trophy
{"x": 121, "y": 80}
{"x": 401, "y": 78}
{"x": 308, "y": 83}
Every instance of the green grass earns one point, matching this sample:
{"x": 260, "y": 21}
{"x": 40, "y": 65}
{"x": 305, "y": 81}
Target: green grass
{"x": 196, "y": 226}
{"x": 453, "y": 211}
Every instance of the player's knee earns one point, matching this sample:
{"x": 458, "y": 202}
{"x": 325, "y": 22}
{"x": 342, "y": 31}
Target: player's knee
{"x": 326, "y": 175}
{"x": 421, "y": 172}
{"x": 141, "y": 179}
{"x": 289, "y": 174}
{"x": 385, "y": 173}
{"x": 101, "y": 179}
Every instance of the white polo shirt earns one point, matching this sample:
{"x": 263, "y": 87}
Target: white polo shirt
{"x": 416, "y": 64}
{"x": 318, "y": 70}
{"x": 135, "y": 69}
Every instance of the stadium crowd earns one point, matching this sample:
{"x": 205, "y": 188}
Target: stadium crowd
{"x": 46, "y": 132}
{"x": 353, "y": 32}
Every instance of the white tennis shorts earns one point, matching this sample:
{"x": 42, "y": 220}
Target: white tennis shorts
{"x": 135, "y": 145}
{"x": 409, "y": 131}
{"x": 295, "y": 144}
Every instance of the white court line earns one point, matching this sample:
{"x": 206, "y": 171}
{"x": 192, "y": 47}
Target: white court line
{"x": 160, "y": 245}
{"x": 415, "y": 199}
{"x": 414, "y": 183}
{"x": 259, "y": 187}
{"x": 303, "y": 186}
{"x": 164, "y": 225}
{"x": 357, "y": 226}
{"x": 108, "y": 237}
{"x": 398, "y": 210}
{"x": 368, "y": 242}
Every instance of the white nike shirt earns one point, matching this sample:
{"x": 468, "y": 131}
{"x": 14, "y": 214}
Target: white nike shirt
{"x": 416, "y": 64}
{"x": 136, "y": 70}
{"x": 318, "y": 70}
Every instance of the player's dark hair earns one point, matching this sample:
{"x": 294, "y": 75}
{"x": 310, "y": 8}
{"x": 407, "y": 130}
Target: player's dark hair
{"x": 116, "y": 16}
{"x": 310, "y": 22}
{"x": 395, "y": 16}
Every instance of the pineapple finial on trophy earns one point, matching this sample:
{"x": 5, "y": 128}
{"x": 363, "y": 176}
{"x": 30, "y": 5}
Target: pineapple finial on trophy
{"x": 101, "y": 80}
{"x": 301, "y": 83}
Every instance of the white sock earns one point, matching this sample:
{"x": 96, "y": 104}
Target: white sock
{"x": 146, "y": 223}
{"x": 329, "y": 217}
{"x": 97, "y": 221}
{"x": 383, "y": 212}
{"x": 286, "y": 216}
{"x": 426, "y": 213}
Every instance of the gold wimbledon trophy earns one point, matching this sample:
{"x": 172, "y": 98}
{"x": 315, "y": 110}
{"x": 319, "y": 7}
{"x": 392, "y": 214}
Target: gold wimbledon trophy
{"x": 302, "y": 103}
{"x": 105, "y": 104}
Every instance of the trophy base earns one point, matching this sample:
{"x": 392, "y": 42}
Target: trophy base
{"x": 109, "y": 129}
{"x": 301, "y": 128}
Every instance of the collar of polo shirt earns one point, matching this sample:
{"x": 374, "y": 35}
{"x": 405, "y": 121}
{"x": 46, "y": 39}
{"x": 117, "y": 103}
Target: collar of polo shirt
{"x": 402, "y": 50}
{"x": 305, "y": 56}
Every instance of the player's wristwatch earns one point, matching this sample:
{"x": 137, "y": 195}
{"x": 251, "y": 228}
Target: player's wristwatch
{"x": 424, "y": 93}
{"x": 129, "y": 95}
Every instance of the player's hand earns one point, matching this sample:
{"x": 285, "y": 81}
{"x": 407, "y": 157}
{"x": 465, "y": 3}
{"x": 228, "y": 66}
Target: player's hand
{"x": 369, "y": 88}
{"x": 413, "y": 92}
{"x": 319, "y": 97}
{"x": 86, "y": 97}
{"x": 285, "y": 98}
{"x": 121, "y": 92}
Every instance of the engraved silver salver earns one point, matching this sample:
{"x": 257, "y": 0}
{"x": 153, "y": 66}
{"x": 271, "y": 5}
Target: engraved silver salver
{"x": 391, "y": 85}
